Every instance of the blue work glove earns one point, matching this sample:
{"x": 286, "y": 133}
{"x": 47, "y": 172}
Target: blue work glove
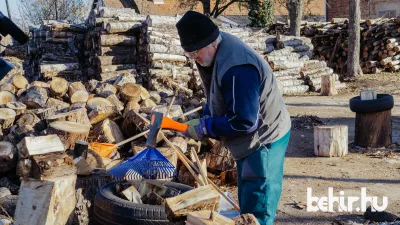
{"x": 197, "y": 128}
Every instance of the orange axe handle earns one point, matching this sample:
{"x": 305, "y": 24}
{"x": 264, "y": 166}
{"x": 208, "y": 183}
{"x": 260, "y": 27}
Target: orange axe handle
{"x": 168, "y": 123}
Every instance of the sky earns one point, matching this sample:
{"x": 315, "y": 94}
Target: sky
{"x": 13, "y": 7}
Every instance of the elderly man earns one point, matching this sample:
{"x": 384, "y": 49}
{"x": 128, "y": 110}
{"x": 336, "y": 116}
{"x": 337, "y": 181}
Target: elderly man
{"x": 244, "y": 109}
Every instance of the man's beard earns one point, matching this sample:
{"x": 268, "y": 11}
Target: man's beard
{"x": 207, "y": 61}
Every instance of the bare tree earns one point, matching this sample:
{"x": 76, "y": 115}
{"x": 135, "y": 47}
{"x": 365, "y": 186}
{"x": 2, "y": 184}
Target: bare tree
{"x": 307, "y": 5}
{"x": 353, "y": 59}
{"x": 295, "y": 14}
{"x": 35, "y": 11}
{"x": 218, "y": 8}
{"x": 8, "y": 9}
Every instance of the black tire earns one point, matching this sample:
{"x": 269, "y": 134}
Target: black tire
{"x": 383, "y": 102}
{"x": 110, "y": 209}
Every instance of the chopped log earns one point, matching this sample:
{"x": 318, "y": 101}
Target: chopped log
{"x": 177, "y": 208}
{"x": 58, "y": 105}
{"x": 116, "y": 60}
{"x": 121, "y": 27}
{"x": 328, "y": 87}
{"x": 117, "y": 50}
{"x": 8, "y": 87}
{"x": 31, "y": 146}
{"x": 112, "y": 76}
{"x": 104, "y": 90}
{"x": 131, "y": 106}
{"x": 35, "y": 98}
{"x": 203, "y": 218}
{"x": 20, "y": 81}
{"x": 376, "y": 70}
{"x": 112, "y": 40}
{"x": 331, "y": 141}
{"x": 130, "y": 92}
{"x": 8, "y": 156}
{"x": 373, "y": 129}
{"x": 77, "y": 92}
{"x": 69, "y": 132}
{"x": 125, "y": 78}
{"x": 7, "y": 117}
{"x": 148, "y": 103}
{"x": 18, "y": 107}
{"x": 6, "y": 97}
{"x": 101, "y": 113}
{"x": 118, "y": 105}
{"x": 106, "y": 131}
{"x": 46, "y": 202}
{"x": 44, "y": 68}
{"x": 30, "y": 119}
{"x": 170, "y": 154}
{"x": 77, "y": 116}
{"x": 246, "y": 219}
{"x": 51, "y": 165}
{"x": 58, "y": 86}
{"x": 168, "y": 57}
{"x": 113, "y": 68}
{"x": 95, "y": 102}
{"x": 284, "y": 65}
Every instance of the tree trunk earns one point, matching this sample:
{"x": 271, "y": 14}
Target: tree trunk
{"x": 206, "y": 7}
{"x": 69, "y": 132}
{"x": 353, "y": 59}
{"x": 295, "y": 8}
{"x": 373, "y": 129}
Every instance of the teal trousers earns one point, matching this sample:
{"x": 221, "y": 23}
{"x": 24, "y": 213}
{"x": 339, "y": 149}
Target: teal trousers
{"x": 260, "y": 177}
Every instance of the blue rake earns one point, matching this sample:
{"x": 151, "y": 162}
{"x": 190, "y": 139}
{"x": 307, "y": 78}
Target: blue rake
{"x": 147, "y": 164}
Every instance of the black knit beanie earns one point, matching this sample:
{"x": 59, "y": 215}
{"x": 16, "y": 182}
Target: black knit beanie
{"x": 196, "y": 31}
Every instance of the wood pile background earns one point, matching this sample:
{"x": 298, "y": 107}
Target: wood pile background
{"x": 55, "y": 50}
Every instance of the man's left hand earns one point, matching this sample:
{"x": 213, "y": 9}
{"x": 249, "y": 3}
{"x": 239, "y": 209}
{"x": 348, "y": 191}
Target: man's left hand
{"x": 197, "y": 128}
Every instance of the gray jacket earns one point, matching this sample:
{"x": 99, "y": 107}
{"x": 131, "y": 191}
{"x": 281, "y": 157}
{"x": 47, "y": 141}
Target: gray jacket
{"x": 274, "y": 119}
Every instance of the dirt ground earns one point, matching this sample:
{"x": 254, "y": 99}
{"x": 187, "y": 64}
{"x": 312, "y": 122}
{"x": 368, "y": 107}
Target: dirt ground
{"x": 378, "y": 171}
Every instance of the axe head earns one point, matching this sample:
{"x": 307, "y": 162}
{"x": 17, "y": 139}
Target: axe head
{"x": 155, "y": 127}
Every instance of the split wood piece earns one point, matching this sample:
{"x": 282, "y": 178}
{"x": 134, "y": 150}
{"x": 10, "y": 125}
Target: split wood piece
{"x": 368, "y": 95}
{"x": 131, "y": 106}
{"x": 113, "y": 68}
{"x": 131, "y": 194}
{"x": 95, "y": 102}
{"x": 7, "y": 117}
{"x": 58, "y": 86}
{"x": 148, "y": 103}
{"x": 117, "y": 50}
{"x": 8, "y": 156}
{"x": 31, "y": 146}
{"x": 58, "y": 105}
{"x": 77, "y": 92}
{"x": 112, "y": 40}
{"x": 331, "y": 141}
{"x": 168, "y": 57}
{"x": 246, "y": 219}
{"x": 202, "y": 165}
{"x": 204, "y": 198}
{"x": 24, "y": 168}
{"x": 155, "y": 96}
{"x": 18, "y": 107}
{"x": 118, "y": 105}
{"x": 20, "y": 82}
{"x": 77, "y": 116}
{"x": 112, "y": 76}
{"x": 116, "y": 60}
{"x": 77, "y": 105}
{"x": 130, "y": 92}
{"x": 86, "y": 188}
{"x": 328, "y": 87}
{"x": 8, "y": 87}
{"x": 106, "y": 131}
{"x": 101, "y": 113}
{"x": 91, "y": 85}
{"x": 219, "y": 163}
{"x": 125, "y": 78}
{"x": 35, "y": 98}
{"x": 6, "y": 97}
{"x": 122, "y": 27}
{"x": 105, "y": 89}
{"x": 373, "y": 129}
{"x": 30, "y": 119}
{"x": 52, "y": 165}
{"x": 170, "y": 154}
{"x": 82, "y": 166}
{"x": 69, "y": 132}
{"x": 52, "y": 68}
{"x": 132, "y": 124}
{"x": 203, "y": 218}
{"x": 46, "y": 202}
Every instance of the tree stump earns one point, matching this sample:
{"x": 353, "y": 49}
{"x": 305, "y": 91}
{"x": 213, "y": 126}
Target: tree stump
{"x": 328, "y": 87}
{"x": 8, "y": 156}
{"x": 69, "y": 132}
{"x": 7, "y": 117}
{"x": 373, "y": 129}
{"x": 331, "y": 141}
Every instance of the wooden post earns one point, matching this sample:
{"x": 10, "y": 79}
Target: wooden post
{"x": 331, "y": 141}
{"x": 328, "y": 87}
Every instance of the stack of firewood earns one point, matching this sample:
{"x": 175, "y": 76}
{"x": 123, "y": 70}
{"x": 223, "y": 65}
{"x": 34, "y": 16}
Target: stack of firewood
{"x": 111, "y": 43}
{"x": 292, "y": 66}
{"x": 380, "y": 49}
{"x": 56, "y": 50}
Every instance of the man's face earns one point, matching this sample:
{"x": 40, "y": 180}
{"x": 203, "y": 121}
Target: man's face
{"x": 204, "y": 56}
